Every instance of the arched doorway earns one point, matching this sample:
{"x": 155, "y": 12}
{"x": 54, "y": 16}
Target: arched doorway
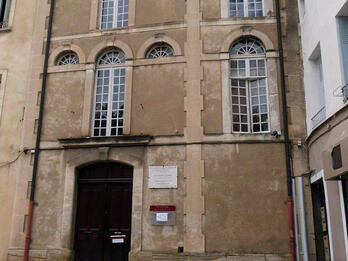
{"x": 104, "y": 212}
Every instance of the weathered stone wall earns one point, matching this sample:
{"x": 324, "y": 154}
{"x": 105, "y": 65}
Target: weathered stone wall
{"x": 231, "y": 196}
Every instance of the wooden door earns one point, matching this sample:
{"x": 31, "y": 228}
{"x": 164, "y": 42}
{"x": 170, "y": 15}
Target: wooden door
{"x": 104, "y": 211}
{"x": 320, "y": 222}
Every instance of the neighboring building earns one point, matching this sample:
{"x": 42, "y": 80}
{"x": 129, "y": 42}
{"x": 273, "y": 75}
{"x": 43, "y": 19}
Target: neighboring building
{"x": 324, "y": 32}
{"x": 140, "y": 88}
{"x": 16, "y": 29}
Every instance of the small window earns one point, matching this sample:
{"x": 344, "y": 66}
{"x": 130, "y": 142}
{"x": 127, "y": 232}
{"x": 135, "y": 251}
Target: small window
{"x": 109, "y": 94}
{"x": 160, "y": 50}
{"x": 336, "y": 156}
{"x": 68, "y": 58}
{"x": 246, "y": 8}
{"x": 248, "y": 83}
{"x": 4, "y": 13}
{"x": 113, "y": 13}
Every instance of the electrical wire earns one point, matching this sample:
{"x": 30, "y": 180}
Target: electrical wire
{"x": 2, "y": 164}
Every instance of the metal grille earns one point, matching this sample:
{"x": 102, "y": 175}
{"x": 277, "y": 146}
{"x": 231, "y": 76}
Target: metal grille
{"x": 114, "y": 13}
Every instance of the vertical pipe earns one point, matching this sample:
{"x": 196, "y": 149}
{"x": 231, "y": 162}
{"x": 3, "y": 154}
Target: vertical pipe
{"x": 303, "y": 224}
{"x": 38, "y": 136}
{"x": 286, "y": 136}
{"x": 295, "y": 220}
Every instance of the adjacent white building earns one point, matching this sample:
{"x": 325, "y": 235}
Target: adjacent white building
{"x": 324, "y": 33}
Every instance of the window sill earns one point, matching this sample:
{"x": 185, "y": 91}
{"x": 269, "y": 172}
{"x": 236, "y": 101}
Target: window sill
{"x": 6, "y": 29}
{"x": 111, "y": 141}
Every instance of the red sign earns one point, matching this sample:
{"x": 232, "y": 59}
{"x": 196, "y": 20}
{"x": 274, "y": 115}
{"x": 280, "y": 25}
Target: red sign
{"x": 162, "y": 208}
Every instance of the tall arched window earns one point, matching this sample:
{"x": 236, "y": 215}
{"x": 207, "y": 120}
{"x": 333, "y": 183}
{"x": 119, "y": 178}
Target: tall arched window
{"x": 108, "y": 118}
{"x": 248, "y": 82}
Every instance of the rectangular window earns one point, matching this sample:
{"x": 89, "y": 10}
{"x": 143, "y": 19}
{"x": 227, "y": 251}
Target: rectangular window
{"x": 4, "y": 13}
{"x": 109, "y": 102}
{"x": 249, "y": 96}
{"x": 343, "y": 35}
{"x": 246, "y": 8}
{"x": 114, "y": 13}
{"x": 318, "y": 95}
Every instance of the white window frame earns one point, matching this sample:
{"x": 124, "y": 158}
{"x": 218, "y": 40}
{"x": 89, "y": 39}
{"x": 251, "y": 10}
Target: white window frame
{"x": 248, "y": 78}
{"x": 246, "y": 9}
{"x": 110, "y": 68}
{"x": 115, "y": 15}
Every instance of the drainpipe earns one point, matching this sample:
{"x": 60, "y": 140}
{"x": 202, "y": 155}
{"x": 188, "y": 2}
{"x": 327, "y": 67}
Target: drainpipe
{"x": 303, "y": 224}
{"x": 286, "y": 137}
{"x": 38, "y": 137}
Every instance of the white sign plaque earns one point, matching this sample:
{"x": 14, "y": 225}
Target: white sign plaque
{"x": 162, "y": 217}
{"x": 118, "y": 240}
{"x": 163, "y": 177}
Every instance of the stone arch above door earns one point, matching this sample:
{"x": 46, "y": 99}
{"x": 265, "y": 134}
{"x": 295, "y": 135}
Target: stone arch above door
{"x": 84, "y": 157}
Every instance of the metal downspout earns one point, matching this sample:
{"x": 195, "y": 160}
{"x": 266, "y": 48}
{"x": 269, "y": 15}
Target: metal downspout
{"x": 303, "y": 225}
{"x": 286, "y": 136}
{"x": 38, "y": 137}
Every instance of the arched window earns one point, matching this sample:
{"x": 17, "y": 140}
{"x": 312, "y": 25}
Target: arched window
{"x": 160, "y": 50}
{"x": 246, "y": 8}
{"x": 248, "y": 82}
{"x": 108, "y": 118}
{"x": 67, "y": 58}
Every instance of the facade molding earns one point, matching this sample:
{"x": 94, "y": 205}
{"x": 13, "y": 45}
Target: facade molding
{"x": 234, "y": 35}
{"x": 70, "y": 47}
{"x": 105, "y": 45}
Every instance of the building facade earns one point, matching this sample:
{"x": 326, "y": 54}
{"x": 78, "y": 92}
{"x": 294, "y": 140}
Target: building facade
{"x": 161, "y": 131}
{"x": 324, "y": 51}
{"x": 16, "y": 29}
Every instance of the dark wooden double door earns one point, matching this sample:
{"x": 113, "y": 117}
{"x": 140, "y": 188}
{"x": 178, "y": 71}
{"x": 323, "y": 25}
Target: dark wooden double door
{"x": 104, "y": 211}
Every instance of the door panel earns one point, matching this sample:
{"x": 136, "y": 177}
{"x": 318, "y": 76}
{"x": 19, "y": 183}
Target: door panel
{"x": 90, "y": 221}
{"x": 104, "y": 213}
{"x": 119, "y": 221}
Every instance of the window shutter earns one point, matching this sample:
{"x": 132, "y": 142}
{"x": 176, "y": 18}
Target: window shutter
{"x": 343, "y": 31}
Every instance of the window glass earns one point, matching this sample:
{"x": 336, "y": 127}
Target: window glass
{"x": 160, "y": 50}
{"x": 68, "y": 58}
{"x": 246, "y": 8}
{"x": 114, "y": 13}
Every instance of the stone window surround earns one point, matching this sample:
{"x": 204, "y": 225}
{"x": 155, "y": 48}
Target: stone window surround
{"x": 225, "y": 9}
{"x": 272, "y": 80}
{"x": 3, "y": 79}
{"x": 94, "y": 17}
